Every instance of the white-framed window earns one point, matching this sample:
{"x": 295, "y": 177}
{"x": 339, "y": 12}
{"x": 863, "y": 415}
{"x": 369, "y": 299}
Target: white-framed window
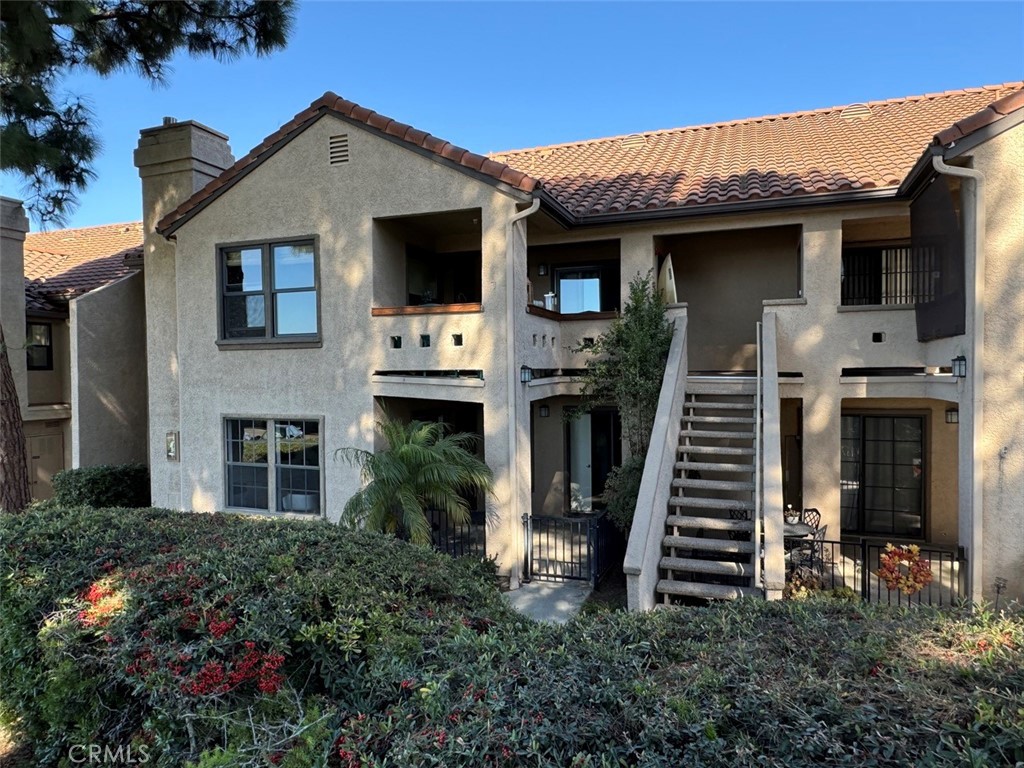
{"x": 273, "y": 465}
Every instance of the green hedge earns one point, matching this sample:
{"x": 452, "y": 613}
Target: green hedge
{"x": 107, "y": 485}
{"x": 215, "y": 640}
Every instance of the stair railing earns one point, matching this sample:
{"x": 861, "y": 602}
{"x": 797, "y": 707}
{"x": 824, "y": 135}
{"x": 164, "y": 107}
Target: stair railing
{"x": 773, "y": 568}
{"x": 643, "y": 551}
{"x": 756, "y": 579}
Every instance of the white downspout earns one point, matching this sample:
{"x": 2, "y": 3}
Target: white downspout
{"x": 512, "y": 381}
{"x": 974, "y": 224}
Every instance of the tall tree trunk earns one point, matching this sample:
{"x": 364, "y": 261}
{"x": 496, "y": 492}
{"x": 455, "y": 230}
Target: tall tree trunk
{"x": 14, "y": 491}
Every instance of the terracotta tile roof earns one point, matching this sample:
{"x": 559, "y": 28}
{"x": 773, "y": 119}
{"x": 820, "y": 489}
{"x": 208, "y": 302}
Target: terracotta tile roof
{"x": 332, "y": 103}
{"x": 65, "y": 263}
{"x": 868, "y": 146}
{"x": 36, "y": 302}
{"x": 993, "y": 112}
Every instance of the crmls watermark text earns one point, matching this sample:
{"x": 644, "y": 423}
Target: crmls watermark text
{"x": 100, "y": 754}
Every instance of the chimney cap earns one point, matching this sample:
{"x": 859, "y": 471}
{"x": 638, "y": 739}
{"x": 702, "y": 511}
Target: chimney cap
{"x": 170, "y": 120}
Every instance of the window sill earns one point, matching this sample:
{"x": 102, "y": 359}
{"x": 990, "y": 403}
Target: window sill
{"x": 550, "y": 315}
{"x": 874, "y": 307}
{"x": 306, "y": 342}
{"x": 427, "y": 309}
{"x": 274, "y": 514}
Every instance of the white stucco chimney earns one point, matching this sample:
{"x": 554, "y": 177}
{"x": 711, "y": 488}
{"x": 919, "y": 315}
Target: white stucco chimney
{"x": 174, "y": 160}
{"x": 13, "y": 226}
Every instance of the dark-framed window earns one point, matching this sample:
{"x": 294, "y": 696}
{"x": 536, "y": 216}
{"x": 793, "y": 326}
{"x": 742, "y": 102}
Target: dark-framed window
{"x": 882, "y": 482}
{"x": 272, "y": 460}
{"x": 39, "y": 346}
{"x": 270, "y": 291}
{"x": 592, "y": 288}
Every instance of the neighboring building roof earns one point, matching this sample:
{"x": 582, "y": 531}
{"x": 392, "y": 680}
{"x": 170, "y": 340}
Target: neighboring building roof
{"x": 331, "y": 103}
{"x": 868, "y": 146}
{"x": 66, "y": 263}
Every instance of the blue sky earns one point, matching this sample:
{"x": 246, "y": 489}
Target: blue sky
{"x": 495, "y": 76}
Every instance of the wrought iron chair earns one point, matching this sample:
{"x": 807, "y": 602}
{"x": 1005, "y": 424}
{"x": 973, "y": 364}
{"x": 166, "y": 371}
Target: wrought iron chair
{"x": 809, "y": 553}
{"x": 811, "y": 516}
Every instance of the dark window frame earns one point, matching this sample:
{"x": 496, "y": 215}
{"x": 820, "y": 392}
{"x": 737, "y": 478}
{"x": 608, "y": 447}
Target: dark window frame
{"x": 48, "y": 365}
{"x": 268, "y": 292}
{"x": 604, "y": 270}
{"x": 924, "y": 416}
{"x": 272, "y": 466}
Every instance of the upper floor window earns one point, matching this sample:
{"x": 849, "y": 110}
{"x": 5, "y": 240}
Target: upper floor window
{"x": 269, "y": 291}
{"x": 39, "y": 346}
{"x": 885, "y": 275}
{"x": 587, "y": 289}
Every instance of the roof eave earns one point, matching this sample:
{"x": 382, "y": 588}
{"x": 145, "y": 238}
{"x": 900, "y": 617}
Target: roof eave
{"x": 742, "y": 207}
{"x": 923, "y": 168}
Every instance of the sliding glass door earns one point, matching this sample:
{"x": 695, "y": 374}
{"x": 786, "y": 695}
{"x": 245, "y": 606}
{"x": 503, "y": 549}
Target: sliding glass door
{"x": 882, "y": 480}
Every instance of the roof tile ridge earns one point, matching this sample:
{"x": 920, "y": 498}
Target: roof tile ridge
{"x": 760, "y": 119}
{"x": 48, "y": 232}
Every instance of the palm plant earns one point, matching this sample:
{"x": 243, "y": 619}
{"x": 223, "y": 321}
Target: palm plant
{"x": 422, "y": 468}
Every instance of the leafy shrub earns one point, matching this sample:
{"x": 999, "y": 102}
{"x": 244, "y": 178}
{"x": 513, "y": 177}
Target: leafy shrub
{"x": 621, "y": 489}
{"x": 107, "y": 485}
{"x": 223, "y": 641}
{"x": 168, "y": 629}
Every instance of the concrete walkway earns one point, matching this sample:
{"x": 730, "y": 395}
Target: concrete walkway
{"x": 552, "y": 601}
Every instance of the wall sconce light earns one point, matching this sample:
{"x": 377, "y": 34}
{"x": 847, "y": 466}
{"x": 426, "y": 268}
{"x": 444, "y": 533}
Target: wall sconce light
{"x": 171, "y": 446}
{"x": 542, "y": 269}
{"x": 525, "y": 374}
{"x": 952, "y": 416}
{"x": 959, "y": 367}
{"x": 544, "y": 411}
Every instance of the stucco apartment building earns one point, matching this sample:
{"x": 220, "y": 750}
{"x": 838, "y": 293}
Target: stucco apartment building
{"x": 352, "y": 264}
{"x": 72, "y": 309}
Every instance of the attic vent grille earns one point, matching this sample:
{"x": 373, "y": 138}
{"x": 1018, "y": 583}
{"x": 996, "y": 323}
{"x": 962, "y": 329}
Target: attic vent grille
{"x": 339, "y": 149}
{"x": 856, "y": 112}
{"x": 636, "y": 141}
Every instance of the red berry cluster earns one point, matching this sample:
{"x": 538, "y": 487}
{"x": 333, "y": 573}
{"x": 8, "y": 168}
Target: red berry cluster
{"x": 254, "y": 665}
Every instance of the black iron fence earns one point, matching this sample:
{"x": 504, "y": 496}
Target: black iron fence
{"x": 855, "y": 565}
{"x": 570, "y": 548}
{"x": 459, "y": 539}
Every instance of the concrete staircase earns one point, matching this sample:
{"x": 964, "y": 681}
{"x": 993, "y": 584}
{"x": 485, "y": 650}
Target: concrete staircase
{"x": 707, "y": 550}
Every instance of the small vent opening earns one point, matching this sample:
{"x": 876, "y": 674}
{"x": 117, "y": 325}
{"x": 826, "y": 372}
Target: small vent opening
{"x": 339, "y": 149}
{"x": 856, "y": 112}
{"x": 636, "y": 141}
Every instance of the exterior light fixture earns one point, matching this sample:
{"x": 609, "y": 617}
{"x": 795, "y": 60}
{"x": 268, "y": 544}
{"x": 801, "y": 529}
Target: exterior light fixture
{"x": 525, "y": 374}
{"x": 544, "y": 411}
{"x": 959, "y": 367}
{"x": 952, "y": 416}
{"x": 542, "y": 269}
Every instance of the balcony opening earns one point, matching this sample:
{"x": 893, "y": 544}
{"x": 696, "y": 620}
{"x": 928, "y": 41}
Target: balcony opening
{"x": 878, "y": 266}
{"x": 429, "y": 263}
{"x": 725, "y": 278}
{"x": 575, "y": 279}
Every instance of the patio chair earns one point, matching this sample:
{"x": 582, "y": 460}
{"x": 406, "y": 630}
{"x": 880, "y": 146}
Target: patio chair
{"x": 811, "y": 516}
{"x": 809, "y": 553}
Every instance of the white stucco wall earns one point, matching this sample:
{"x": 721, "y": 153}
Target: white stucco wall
{"x": 108, "y": 381}
{"x": 1002, "y": 448}
{"x": 296, "y": 194}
